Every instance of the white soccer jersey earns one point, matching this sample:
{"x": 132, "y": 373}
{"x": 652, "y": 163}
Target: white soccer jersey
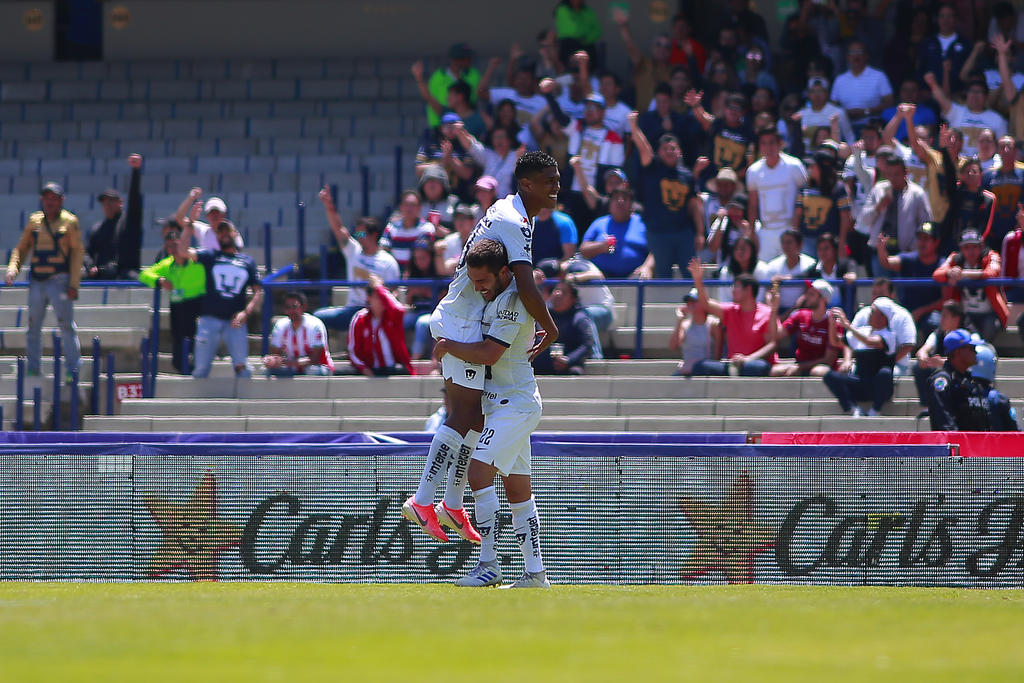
{"x": 510, "y": 384}
{"x": 504, "y": 222}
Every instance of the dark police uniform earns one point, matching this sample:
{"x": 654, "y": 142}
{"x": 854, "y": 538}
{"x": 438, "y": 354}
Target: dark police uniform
{"x": 957, "y": 402}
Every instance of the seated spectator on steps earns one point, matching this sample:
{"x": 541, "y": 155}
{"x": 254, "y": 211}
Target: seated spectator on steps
{"x": 812, "y": 326}
{"x": 830, "y": 266}
{"x": 792, "y": 263}
{"x": 932, "y": 353}
{"x": 865, "y": 373}
{"x": 985, "y": 307}
{"x": 421, "y": 299}
{"x": 376, "y": 337}
{"x": 748, "y": 337}
{"x": 900, "y": 322}
{"x": 596, "y": 300}
{"x": 575, "y": 342}
{"x": 696, "y": 334}
{"x": 298, "y": 343}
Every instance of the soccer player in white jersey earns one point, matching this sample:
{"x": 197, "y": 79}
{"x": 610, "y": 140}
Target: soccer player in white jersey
{"x": 511, "y": 407}
{"x": 458, "y": 316}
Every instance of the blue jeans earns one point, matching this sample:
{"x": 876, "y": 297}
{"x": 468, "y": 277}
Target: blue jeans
{"x": 601, "y": 320}
{"x": 850, "y": 388}
{"x": 752, "y": 368}
{"x": 209, "y": 334}
{"x": 668, "y": 249}
{"x": 422, "y": 341}
{"x": 52, "y": 291}
{"x": 338, "y": 317}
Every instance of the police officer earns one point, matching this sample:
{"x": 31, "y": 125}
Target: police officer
{"x": 958, "y": 402}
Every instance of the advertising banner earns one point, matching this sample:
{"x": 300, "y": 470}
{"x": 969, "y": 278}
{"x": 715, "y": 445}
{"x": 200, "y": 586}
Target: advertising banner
{"x": 655, "y": 513}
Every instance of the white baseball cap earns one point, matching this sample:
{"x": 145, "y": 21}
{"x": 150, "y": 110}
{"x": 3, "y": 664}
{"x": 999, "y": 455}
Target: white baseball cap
{"x": 823, "y": 287}
{"x": 215, "y": 204}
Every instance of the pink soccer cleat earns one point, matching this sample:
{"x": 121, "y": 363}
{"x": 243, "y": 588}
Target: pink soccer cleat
{"x": 457, "y": 520}
{"x": 425, "y": 518}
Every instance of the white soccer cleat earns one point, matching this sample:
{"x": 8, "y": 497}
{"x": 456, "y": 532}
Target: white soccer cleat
{"x": 483, "y": 574}
{"x": 531, "y": 580}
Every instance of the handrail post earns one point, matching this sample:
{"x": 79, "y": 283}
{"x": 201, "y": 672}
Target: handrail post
{"x": 19, "y": 407}
{"x": 301, "y": 230}
{"x": 94, "y": 394}
{"x": 110, "y": 383}
{"x": 56, "y": 381}
{"x": 638, "y": 342}
{"x": 266, "y": 246}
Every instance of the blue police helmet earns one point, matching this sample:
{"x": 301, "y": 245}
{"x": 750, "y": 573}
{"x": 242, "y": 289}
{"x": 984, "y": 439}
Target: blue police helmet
{"x": 986, "y": 366}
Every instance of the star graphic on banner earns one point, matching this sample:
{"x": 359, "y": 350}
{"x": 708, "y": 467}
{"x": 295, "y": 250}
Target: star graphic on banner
{"x": 728, "y": 536}
{"x": 193, "y": 536}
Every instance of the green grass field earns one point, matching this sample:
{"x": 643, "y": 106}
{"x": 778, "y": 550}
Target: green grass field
{"x": 306, "y": 632}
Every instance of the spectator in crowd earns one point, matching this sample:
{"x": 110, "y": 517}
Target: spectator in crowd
{"x": 926, "y": 162}
{"x": 112, "y": 249}
{"x": 901, "y": 323}
{"x": 599, "y": 201}
{"x": 731, "y": 136}
{"x": 672, "y": 207}
{"x": 615, "y": 110}
{"x": 448, "y": 251}
{"x": 946, "y": 47}
{"x": 750, "y": 340}
{"x": 554, "y": 236}
{"x": 811, "y": 325}
{"x": 485, "y": 192}
{"x": 437, "y": 204}
{"x": 932, "y": 353}
{"x": 971, "y": 117}
{"x": 819, "y": 113}
{"x": 922, "y": 302}
{"x": 575, "y": 334}
{"x": 663, "y": 119}
{"x": 363, "y": 257}
{"x": 420, "y": 299}
{"x": 522, "y": 94}
{"x": 985, "y": 306}
{"x": 648, "y": 71}
{"x": 753, "y": 75}
{"x": 696, "y": 334}
{"x": 686, "y": 50}
{"x": 896, "y": 207}
{"x": 460, "y": 68}
{"x": 773, "y": 182}
{"x": 823, "y": 205}
{"x": 224, "y": 311}
{"x": 441, "y": 145}
{"x": 863, "y": 91}
{"x": 970, "y": 206}
{"x": 52, "y": 240}
{"x": 617, "y": 243}
{"x": 1013, "y": 261}
{"x": 186, "y": 282}
{"x": 458, "y": 98}
{"x": 866, "y": 371}
{"x": 570, "y": 90}
{"x": 856, "y": 23}
{"x": 987, "y": 156}
{"x": 298, "y": 342}
{"x": 792, "y": 263}
{"x": 376, "y": 338}
{"x": 1008, "y": 86}
{"x": 958, "y": 402}
{"x": 497, "y": 159}
{"x": 204, "y": 233}
{"x": 577, "y": 28}
{"x": 596, "y": 145}
{"x": 720, "y": 191}
{"x": 728, "y": 225}
{"x": 742, "y": 260}
{"x": 909, "y": 94}
{"x": 1006, "y": 183}
{"x": 830, "y": 266}
{"x": 904, "y": 49}
{"x": 596, "y": 300}
{"x": 404, "y": 229}
{"x": 860, "y": 173}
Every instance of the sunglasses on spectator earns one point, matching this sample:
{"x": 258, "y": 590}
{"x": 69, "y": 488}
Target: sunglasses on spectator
{"x": 359, "y": 234}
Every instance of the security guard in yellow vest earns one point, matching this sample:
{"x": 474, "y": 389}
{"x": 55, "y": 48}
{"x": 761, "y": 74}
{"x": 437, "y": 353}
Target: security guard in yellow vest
{"x": 54, "y": 239}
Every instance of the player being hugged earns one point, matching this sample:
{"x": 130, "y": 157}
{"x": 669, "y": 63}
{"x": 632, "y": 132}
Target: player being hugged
{"x": 511, "y": 408}
{"x": 457, "y": 318}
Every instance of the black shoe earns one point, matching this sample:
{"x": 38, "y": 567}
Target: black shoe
{"x": 923, "y": 414}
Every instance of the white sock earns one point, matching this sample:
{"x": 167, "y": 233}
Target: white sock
{"x": 445, "y": 445}
{"x": 527, "y": 525}
{"x": 458, "y": 471}
{"x": 485, "y": 508}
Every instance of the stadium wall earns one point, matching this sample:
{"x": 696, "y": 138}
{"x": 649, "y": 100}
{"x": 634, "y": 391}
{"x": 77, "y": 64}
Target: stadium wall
{"x": 28, "y": 31}
{"x": 625, "y": 513}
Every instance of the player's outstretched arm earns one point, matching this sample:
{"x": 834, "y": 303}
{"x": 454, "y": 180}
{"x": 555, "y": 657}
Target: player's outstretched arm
{"x": 535, "y": 306}
{"x": 486, "y": 352}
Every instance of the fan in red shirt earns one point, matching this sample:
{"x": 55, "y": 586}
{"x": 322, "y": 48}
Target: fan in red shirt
{"x": 812, "y": 325}
{"x": 376, "y": 336}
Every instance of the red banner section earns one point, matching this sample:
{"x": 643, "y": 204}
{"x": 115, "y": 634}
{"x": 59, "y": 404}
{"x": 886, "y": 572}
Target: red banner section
{"x": 972, "y": 444}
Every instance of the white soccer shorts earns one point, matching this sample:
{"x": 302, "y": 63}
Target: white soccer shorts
{"x": 505, "y": 441}
{"x": 469, "y": 375}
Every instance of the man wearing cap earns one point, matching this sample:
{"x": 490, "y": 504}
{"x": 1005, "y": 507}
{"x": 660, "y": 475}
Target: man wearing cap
{"x": 957, "y": 402}
{"x": 460, "y": 68}
{"x": 819, "y": 112}
{"x": 728, "y": 225}
{"x": 55, "y": 271}
{"x": 204, "y": 233}
{"x": 985, "y": 307}
{"x": 773, "y": 182}
{"x": 595, "y": 144}
{"x": 895, "y": 206}
{"x": 113, "y": 245}
{"x": 923, "y": 302}
{"x": 866, "y": 371}
{"x": 721, "y": 190}
{"x": 816, "y": 352}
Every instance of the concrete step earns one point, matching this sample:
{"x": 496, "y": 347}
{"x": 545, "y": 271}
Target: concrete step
{"x": 93, "y": 316}
{"x": 87, "y": 295}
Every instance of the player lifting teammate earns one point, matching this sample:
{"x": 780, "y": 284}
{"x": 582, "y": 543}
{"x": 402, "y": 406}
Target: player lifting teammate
{"x": 458, "y": 318}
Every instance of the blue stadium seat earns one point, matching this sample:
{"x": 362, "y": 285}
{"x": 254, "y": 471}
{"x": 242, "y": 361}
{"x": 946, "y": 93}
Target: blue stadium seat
{"x": 339, "y": 67}
{"x": 324, "y": 89}
{"x": 283, "y": 182}
{"x": 74, "y": 91}
{"x": 54, "y": 71}
{"x": 225, "y": 90}
{"x": 157, "y": 70}
{"x": 261, "y": 164}
{"x": 167, "y": 165}
{"x": 290, "y": 145}
{"x": 153, "y": 181}
{"x": 90, "y": 111}
{"x": 294, "y": 109}
{"x": 49, "y": 167}
{"x": 243, "y": 182}
{"x": 315, "y": 126}
{"x": 233, "y": 147}
{"x": 284, "y": 89}
{"x": 259, "y": 128}
{"x": 181, "y": 128}
{"x": 119, "y": 130}
{"x": 92, "y": 184}
{"x": 333, "y": 163}
{"x": 228, "y": 128}
{"x": 199, "y": 110}
{"x": 221, "y": 164}
{"x": 40, "y": 111}
{"x": 250, "y": 68}
{"x": 181, "y": 183}
{"x": 23, "y": 92}
{"x": 212, "y": 69}
{"x": 168, "y": 91}
{"x": 25, "y": 132}
{"x": 300, "y": 68}
{"x": 26, "y": 183}
{"x": 114, "y": 91}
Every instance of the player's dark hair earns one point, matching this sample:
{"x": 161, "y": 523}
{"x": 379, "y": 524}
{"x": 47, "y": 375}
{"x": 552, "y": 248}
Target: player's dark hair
{"x": 795, "y": 234}
{"x": 297, "y": 295}
{"x": 410, "y": 193}
{"x": 885, "y": 282}
{"x": 612, "y": 75}
{"x": 489, "y": 254}
{"x": 533, "y": 163}
{"x": 747, "y": 280}
{"x": 370, "y": 224}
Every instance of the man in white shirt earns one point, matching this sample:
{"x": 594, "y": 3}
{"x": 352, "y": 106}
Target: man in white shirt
{"x": 819, "y": 111}
{"x": 615, "y": 110}
{"x": 969, "y": 118}
{"x": 448, "y": 250}
{"x": 773, "y": 182}
{"x": 205, "y": 233}
{"x": 298, "y": 342}
{"x": 363, "y": 257}
{"x": 901, "y": 322}
{"x": 792, "y": 263}
{"x": 863, "y": 91}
